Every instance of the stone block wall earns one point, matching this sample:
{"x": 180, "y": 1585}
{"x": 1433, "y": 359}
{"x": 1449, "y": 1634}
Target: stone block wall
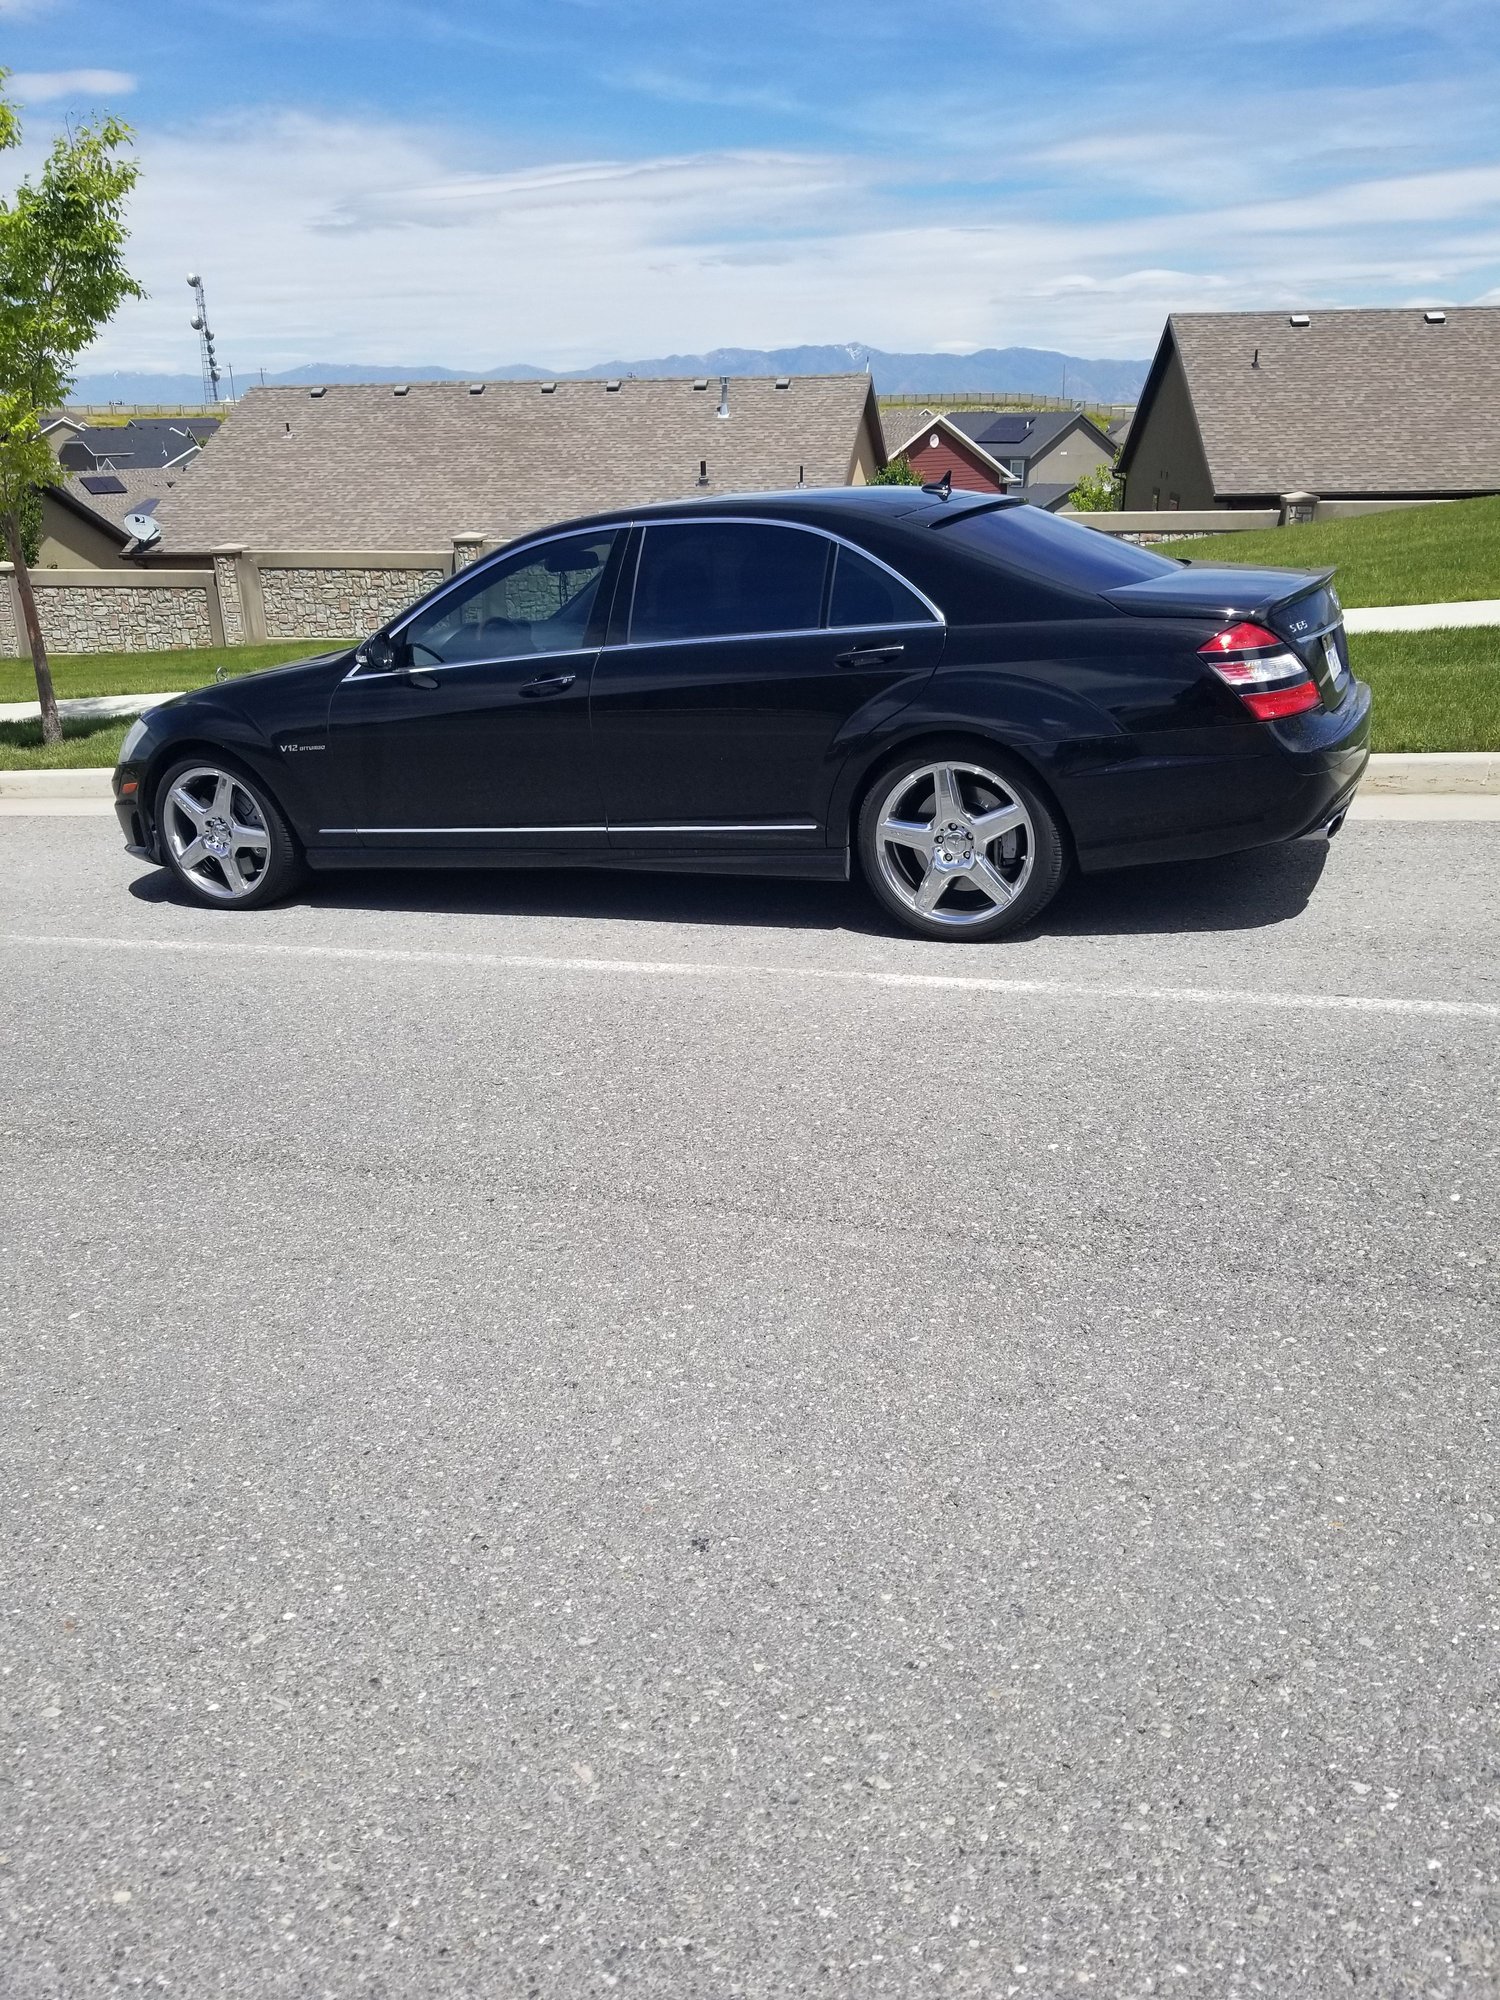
{"x": 111, "y": 618}
{"x": 337, "y": 603}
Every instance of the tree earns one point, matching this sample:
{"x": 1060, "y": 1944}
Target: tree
{"x": 897, "y": 473}
{"x": 1098, "y": 492}
{"x": 62, "y": 278}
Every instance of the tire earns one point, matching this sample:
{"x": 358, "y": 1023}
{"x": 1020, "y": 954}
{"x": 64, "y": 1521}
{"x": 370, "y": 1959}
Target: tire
{"x": 223, "y": 836}
{"x": 980, "y": 851}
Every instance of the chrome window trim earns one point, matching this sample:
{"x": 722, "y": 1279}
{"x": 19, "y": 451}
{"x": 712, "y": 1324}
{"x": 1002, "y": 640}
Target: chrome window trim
{"x": 447, "y": 666}
{"x": 798, "y": 632}
{"x": 750, "y": 638}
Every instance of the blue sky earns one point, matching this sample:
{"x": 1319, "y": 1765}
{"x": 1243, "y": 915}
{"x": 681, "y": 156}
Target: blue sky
{"x": 560, "y": 181}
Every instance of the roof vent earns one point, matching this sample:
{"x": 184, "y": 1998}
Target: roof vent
{"x": 611, "y": 387}
{"x": 1300, "y": 319}
{"x": 315, "y": 393}
{"x": 703, "y": 472}
{"x": 700, "y": 381}
{"x": 476, "y": 388}
{"x": 1435, "y": 318}
{"x": 723, "y": 409}
{"x": 783, "y": 381}
{"x": 549, "y": 388}
{"x": 402, "y": 389}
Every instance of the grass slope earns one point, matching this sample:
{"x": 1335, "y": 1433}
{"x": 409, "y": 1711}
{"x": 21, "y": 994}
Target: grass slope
{"x": 151, "y": 673}
{"x": 1412, "y": 555}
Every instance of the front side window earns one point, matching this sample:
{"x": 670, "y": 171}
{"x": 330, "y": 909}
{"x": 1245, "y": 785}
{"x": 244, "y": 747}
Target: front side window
{"x": 866, "y": 594}
{"x": 539, "y": 601}
{"x": 727, "y": 579}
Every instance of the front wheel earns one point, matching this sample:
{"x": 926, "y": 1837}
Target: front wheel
{"x": 223, "y": 836}
{"x": 960, "y": 845}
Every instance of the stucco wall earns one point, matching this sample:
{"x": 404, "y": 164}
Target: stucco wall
{"x": 337, "y": 603}
{"x": 69, "y": 542}
{"x": 1167, "y": 462}
{"x": 1075, "y": 455}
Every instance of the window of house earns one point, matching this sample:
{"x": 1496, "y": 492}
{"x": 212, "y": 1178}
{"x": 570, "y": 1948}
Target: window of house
{"x": 727, "y": 579}
{"x": 538, "y": 601}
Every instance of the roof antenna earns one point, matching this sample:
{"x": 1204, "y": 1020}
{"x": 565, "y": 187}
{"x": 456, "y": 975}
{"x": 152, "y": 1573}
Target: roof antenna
{"x": 723, "y": 409}
{"x": 941, "y": 487}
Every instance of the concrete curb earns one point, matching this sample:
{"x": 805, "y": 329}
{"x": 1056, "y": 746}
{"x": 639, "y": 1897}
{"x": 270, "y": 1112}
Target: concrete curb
{"x": 87, "y": 707}
{"x": 1405, "y": 774}
{"x": 1421, "y": 617}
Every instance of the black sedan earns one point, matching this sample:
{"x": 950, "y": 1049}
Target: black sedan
{"x": 962, "y": 696}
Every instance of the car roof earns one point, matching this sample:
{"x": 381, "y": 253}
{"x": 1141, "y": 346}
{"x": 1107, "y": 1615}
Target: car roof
{"x": 829, "y": 507}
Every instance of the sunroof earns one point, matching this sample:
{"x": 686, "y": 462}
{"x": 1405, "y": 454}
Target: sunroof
{"x": 102, "y": 482}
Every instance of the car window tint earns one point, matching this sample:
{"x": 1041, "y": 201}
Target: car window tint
{"x": 727, "y": 579}
{"x": 539, "y": 601}
{"x": 1059, "y": 552}
{"x": 865, "y": 594}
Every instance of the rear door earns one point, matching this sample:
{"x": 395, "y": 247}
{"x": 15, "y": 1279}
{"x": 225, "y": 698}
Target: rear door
{"x": 478, "y": 737}
{"x": 737, "y": 662}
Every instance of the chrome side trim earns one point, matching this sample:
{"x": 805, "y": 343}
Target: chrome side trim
{"x": 446, "y": 666}
{"x": 464, "y": 829}
{"x": 628, "y": 826}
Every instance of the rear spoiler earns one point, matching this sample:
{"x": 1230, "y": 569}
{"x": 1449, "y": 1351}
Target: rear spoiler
{"x": 1201, "y": 591}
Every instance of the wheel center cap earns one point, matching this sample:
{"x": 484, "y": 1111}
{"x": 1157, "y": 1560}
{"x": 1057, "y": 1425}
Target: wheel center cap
{"x": 953, "y": 845}
{"x": 216, "y": 836}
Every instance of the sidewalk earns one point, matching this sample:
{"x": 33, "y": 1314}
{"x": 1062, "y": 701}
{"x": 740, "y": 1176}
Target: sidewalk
{"x": 1421, "y": 617}
{"x": 87, "y": 707}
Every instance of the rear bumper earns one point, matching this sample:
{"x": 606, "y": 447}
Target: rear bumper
{"x": 1280, "y": 782}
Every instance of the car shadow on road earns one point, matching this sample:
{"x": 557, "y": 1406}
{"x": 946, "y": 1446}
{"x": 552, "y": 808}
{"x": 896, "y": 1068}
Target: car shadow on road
{"x": 1237, "y": 892}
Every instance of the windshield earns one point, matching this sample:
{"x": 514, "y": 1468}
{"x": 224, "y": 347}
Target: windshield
{"x": 1058, "y": 552}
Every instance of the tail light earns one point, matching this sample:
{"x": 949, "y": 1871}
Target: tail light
{"x": 1262, "y": 670}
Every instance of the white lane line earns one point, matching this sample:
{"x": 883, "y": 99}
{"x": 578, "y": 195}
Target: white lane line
{"x": 673, "y": 968}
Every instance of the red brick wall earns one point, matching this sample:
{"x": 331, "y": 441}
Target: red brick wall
{"x": 950, "y": 455}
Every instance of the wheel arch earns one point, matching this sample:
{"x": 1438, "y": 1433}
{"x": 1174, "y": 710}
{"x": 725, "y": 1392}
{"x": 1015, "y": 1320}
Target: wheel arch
{"x": 930, "y": 738}
{"x": 182, "y": 750}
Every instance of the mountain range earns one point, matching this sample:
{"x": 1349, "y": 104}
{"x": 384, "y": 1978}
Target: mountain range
{"x": 1014, "y": 370}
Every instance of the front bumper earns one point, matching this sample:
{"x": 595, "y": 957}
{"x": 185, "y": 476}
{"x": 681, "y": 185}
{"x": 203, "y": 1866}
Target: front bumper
{"x": 132, "y": 812}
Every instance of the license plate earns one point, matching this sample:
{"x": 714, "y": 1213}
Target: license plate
{"x": 1331, "y": 655}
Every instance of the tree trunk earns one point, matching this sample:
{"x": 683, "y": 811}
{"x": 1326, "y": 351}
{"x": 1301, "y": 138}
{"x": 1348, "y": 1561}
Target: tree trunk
{"x": 51, "y": 721}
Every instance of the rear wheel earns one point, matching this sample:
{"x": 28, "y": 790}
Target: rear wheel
{"x": 960, "y": 845}
{"x": 223, "y": 836}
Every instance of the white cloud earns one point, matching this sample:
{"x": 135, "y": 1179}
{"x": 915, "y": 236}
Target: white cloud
{"x": 363, "y": 242}
{"x": 40, "y": 86}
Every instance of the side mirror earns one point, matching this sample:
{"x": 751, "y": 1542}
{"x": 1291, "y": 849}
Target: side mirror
{"x": 378, "y": 655}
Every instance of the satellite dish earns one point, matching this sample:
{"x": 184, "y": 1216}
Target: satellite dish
{"x": 143, "y": 529}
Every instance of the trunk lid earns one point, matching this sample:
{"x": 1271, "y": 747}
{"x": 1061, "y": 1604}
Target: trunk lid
{"x": 1299, "y": 606}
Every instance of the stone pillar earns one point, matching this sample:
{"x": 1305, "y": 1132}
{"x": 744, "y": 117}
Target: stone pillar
{"x": 1298, "y": 507}
{"x": 466, "y": 549}
{"x": 12, "y": 628}
{"x": 227, "y": 587}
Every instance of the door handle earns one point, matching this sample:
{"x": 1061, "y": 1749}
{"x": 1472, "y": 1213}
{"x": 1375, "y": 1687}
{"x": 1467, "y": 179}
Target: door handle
{"x": 868, "y": 656}
{"x": 552, "y": 684}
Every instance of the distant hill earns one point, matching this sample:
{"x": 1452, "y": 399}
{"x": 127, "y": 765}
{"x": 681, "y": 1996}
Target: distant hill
{"x": 1016, "y": 370}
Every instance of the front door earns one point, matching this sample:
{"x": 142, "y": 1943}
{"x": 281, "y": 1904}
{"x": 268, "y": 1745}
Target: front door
{"x": 478, "y": 736}
{"x": 719, "y": 711}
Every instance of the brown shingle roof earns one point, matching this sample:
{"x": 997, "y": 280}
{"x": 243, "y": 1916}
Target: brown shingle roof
{"x": 360, "y": 467}
{"x": 141, "y": 488}
{"x": 1377, "y": 402}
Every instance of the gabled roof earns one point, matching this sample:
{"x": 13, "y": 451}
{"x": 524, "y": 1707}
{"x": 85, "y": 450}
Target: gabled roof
{"x": 365, "y": 466}
{"x": 935, "y": 420}
{"x": 86, "y": 494}
{"x": 144, "y": 441}
{"x": 1364, "y": 402}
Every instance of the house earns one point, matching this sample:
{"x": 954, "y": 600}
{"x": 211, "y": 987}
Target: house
{"x": 1040, "y": 454}
{"x": 141, "y": 443}
{"x": 83, "y": 516}
{"x": 1382, "y": 406}
{"x": 394, "y": 467}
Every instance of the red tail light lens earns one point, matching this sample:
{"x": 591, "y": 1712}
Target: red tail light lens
{"x": 1268, "y": 703}
{"x": 1262, "y": 670}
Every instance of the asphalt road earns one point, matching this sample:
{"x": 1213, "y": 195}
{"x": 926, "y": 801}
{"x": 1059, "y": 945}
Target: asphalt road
{"x": 855, "y": 1467}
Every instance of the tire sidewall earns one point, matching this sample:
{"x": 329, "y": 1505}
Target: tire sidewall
{"x": 1049, "y": 867}
{"x": 284, "y": 864}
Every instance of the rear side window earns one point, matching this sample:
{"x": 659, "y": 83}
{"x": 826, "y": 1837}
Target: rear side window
{"x": 1055, "y": 551}
{"x": 727, "y": 580}
{"x": 866, "y": 594}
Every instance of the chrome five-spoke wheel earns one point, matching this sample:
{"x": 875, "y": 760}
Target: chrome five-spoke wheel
{"x": 954, "y": 844}
{"x": 958, "y": 845}
{"x": 223, "y": 836}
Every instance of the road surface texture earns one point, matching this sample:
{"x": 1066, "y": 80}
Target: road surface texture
{"x": 570, "y": 1435}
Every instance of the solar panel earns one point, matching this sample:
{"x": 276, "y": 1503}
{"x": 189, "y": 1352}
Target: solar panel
{"x": 101, "y": 482}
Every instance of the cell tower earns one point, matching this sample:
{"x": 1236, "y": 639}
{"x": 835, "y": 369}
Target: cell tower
{"x": 200, "y": 326}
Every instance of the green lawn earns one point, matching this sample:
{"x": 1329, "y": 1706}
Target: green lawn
{"x": 1433, "y": 691}
{"x": 1411, "y": 555}
{"x": 151, "y": 673}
